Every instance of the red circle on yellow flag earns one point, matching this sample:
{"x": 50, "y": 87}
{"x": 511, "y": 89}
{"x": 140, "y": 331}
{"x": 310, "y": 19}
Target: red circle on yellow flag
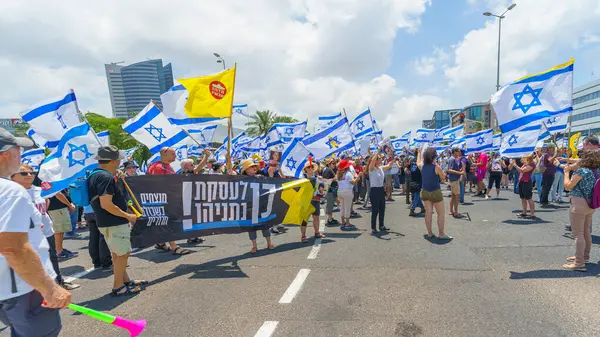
{"x": 217, "y": 89}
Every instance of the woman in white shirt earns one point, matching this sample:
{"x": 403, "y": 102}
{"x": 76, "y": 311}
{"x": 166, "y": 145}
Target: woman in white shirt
{"x": 346, "y": 181}
{"x": 377, "y": 192}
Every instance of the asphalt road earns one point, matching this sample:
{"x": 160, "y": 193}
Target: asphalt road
{"x": 500, "y": 276}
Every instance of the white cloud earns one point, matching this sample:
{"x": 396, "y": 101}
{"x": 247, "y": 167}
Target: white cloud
{"x": 426, "y": 65}
{"x": 298, "y": 57}
{"x": 534, "y": 34}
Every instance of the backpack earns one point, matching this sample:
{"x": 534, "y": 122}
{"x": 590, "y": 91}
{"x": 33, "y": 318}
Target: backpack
{"x": 78, "y": 190}
{"x": 594, "y": 200}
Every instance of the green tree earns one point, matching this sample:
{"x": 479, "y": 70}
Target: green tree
{"x": 393, "y": 137}
{"x": 262, "y": 121}
{"x": 284, "y": 119}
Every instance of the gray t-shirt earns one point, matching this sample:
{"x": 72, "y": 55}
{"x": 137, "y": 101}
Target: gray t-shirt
{"x": 376, "y": 177}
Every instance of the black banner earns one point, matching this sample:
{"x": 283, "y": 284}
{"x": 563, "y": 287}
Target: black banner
{"x": 185, "y": 206}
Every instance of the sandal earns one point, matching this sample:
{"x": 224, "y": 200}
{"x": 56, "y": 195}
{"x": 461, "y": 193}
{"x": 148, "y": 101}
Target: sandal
{"x": 522, "y": 215}
{"x": 125, "y": 291}
{"x": 446, "y": 237}
{"x": 272, "y": 246}
{"x": 180, "y": 251}
{"x": 136, "y": 283}
{"x": 320, "y": 235}
{"x": 304, "y": 239}
{"x": 162, "y": 246}
{"x": 253, "y": 250}
{"x": 574, "y": 267}
{"x": 429, "y": 237}
{"x": 572, "y": 259}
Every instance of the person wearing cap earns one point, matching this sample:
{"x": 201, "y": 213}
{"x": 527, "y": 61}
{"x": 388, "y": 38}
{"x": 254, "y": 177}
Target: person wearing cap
{"x": 346, "y": 181}
{"x": 250, "y": 169}
{"x": 162, "y": 167}
{"x": 109, "y": 201}
{"x": 330, "y": 196}
{"x": 26, "y": 272}
{"x": 310, "y": 172}
{"x": 130, "y": 169}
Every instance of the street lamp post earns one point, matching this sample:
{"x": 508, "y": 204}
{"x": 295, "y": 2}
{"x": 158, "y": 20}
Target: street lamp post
{"x": 220, "y": 60}
{"x": 500, "y": 17}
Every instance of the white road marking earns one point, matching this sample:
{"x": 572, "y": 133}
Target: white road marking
{"x": 267, "y": 329}
{"x": 317, "y": 246}
{"x": 295, "y": 287}
{"x": 78, "y": 275}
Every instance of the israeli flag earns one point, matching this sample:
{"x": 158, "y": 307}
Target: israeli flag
{"x": 377, "y": 137}
{"x": 399, "y": 144}
{"x": 424, "y": 136}
{"x": 520, "y": 143}
{"x": 454, "y": 133}
{"x": 255, "y": 145}
{"x": 497, "y": 140}
{"x": 439, "y": 134}
{"x": 235, "y": 147}
{"x": 362, "y": 124}
{"x": 41, "y": 141}
{"x": 104, "y": 137}
{"x": 461, "y": 143}
{"x": 73, "y": 157}
{"x": 272, "y": 138}
{"x": 241, "y": 109}
{"x": 204, "y": 135}
{"x": 555, "y": 124}
{"x": 534, "y": 98}
{"x": 406, "y": 135}
{"x": 294, "y": 157}
{"x": 128, "y": 154}
{"x": 328, "y": 120}
{"x": 334, "y": 139}
{"x": 52, "y": 118}
{"x": 151, "y": 128}
{"x": 173, "y": 102}
{"x": 479, "y": 141}
{"x": 289, "y": 131}
{"x": 33, "y": 158}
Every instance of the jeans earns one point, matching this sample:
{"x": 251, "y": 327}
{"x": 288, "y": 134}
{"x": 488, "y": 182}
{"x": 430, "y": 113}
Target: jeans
{"x": 516, "y": 181}
{"x": 54, "y": 258}
{"x": 377, "y": 206}
{"x": 97, "y": 246}
{"x": 74, "y": 217}
{"x": 368, "y": 193}
{"x": 26, "y": 317}
{"x": 547, "y": 182}
{"x": 416, "y": 201}
{"x": 537, "y": 179}
{"x": 558, "y": 186}
{"x": 396, "y": 180}
{"x": 408, "y": 193}
{"x": 461, "y": 184}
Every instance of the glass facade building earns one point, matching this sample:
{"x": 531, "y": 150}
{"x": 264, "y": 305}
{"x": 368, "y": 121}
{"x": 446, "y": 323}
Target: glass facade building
{"x": 132, "y": 87}
{"x": 440, "y": 119}
{"x": 586, "y": 108}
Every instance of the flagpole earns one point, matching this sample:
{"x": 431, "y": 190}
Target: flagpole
{"x": 351, "y": 135}
{"x": 571, "y": 113}
{"x": 229, "y": 133}
{"x": 85, "y": 119}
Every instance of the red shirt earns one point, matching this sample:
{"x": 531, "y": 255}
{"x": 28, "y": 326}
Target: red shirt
{"x": 160, "y": 168}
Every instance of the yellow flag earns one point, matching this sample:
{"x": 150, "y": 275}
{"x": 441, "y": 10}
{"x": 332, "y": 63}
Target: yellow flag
{"x": 573, "y": 144}
{"x": 298, "y": 194}
{"x": 210, "y": 96}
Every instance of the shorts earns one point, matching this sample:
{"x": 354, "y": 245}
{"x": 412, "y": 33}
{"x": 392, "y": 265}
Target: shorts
{"x": 388, "y": 180}
{"x": 525, "y": 190}
{"x": 330, "y": 198}
{"x": 118, "y": 238}
{"x": 61, "y": 220}
{"x": 435, "y": 196}
{"x": 471, "y": 177}
{"x": 26, "y": 316}
{"x": 455, "y": 187}
{"x": 317, "y": 205}
{"x": 402, "y": 179}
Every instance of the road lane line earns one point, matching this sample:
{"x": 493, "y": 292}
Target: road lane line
{"x": 267, "y": 329}
{"x": 295, "y": 287}
{"x": 78, "y": 275}
{"x": 317, "y": 245}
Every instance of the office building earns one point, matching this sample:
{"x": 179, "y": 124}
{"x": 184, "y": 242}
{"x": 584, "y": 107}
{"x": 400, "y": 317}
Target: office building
{"x": 475, "y": 117}
{"x": 132, "y": 87}
{"x": 428, "y": 124}
{"x": 586, "y": 108}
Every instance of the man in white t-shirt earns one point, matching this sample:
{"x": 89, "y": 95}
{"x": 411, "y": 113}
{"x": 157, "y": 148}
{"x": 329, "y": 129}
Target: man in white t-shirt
{"x": 26, "y": 273}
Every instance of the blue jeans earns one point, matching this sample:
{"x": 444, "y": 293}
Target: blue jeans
{"x": 516, "y": 181}
{"x": 462, "y": 191}
{"x": 558, "y": 186}
{"x": 417, "y": 201}
{"x": 537, "y": 177}
{"x": 74, "y": 217}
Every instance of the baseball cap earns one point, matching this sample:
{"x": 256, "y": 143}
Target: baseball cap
{"x": 109, "y": 153}
{"x": 8, "y": 141}
{"x": 129, "y": 164}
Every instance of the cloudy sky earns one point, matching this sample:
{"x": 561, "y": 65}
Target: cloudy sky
{"x": 402, "y": 58}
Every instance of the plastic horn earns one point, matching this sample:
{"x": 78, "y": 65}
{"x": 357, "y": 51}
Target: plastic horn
{"x": 135, "y": 328}
{"x": 135, "y": 211}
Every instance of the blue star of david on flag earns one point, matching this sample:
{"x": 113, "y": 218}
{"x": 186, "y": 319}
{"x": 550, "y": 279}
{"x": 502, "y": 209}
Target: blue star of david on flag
{"x": 26, "y": 161}
{"x": 289, "y": 131}
{"x": 78, "y": 148}
{"x": 291, "y": 163}
{"x": 333, "y": 142}
{"x": 551, "y": 121}
{"x": 268, "y": 139}
{"x": 396, "y": 145}
{"x": 535, "y": 101}
{"x": 452, "y": 137}
{"x": 360, "y": 125}
{"x": 512, "y": 140}
{"x": 423, "y": 136}
{"x": 59, "y": 117}
{"x": 155, "y": 132}
{"x": 480, "y": 141}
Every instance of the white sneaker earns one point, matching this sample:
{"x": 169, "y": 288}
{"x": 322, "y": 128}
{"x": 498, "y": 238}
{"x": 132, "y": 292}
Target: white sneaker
{"x": 486, "y": 197}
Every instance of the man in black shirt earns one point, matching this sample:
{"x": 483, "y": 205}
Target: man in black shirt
{"x": 108, "y": 199}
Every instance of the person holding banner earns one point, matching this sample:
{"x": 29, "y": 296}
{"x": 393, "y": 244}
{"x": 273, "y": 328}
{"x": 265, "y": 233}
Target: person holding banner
{"x": 250, "y": 169}
{"x": 310, "y": 169}
{"x": 109, "y": 201}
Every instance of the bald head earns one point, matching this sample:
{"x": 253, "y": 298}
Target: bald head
{"x": 167, "y": 155}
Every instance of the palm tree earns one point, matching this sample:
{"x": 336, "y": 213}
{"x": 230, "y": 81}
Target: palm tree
{"x": 284, "y": 119}
{"x": 262, "y": 121}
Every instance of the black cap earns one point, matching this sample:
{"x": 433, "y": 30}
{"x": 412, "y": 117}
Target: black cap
{"x": 109, "y": 153}
{"x": 8, "y": 141}
{"x": 129, "y": 164}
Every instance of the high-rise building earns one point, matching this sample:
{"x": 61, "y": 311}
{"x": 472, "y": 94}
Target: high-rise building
{"x": 586, "y": 108}
{"x": 440, "y": 119}
{"x": 132, "y": 87}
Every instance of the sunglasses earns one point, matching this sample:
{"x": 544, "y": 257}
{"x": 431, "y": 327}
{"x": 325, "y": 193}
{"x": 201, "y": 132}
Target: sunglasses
{"x": 25, "y": 174}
